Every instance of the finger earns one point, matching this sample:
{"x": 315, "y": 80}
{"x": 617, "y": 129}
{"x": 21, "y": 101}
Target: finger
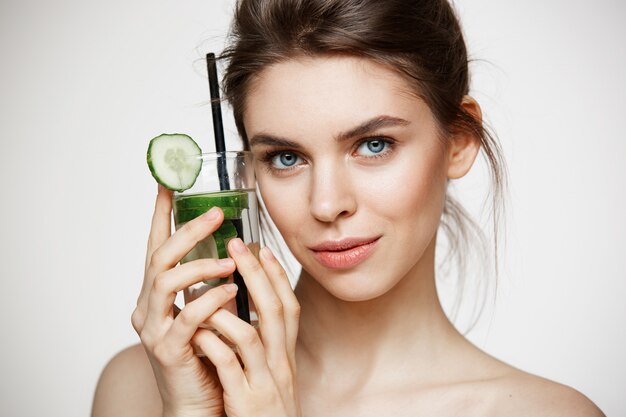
{"x": 161, "y": 226}
{"x": 291, "y": 307}
{"x": 159, "y": 232}
{"x": 168, "y": 283}
{"x": 268, "y": 304}
{"x": 248, "y": 343}
{"x": 184, "y": 239}
{"x": 195, "y": 313}
{"x": 223, "y": 358}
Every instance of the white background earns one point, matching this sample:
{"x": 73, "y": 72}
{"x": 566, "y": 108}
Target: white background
{"x": 84, "y": 85}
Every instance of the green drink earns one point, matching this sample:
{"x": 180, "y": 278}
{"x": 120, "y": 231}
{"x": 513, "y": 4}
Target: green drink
{"x": 234, "y": 204}
{"x": 239, "y": 204}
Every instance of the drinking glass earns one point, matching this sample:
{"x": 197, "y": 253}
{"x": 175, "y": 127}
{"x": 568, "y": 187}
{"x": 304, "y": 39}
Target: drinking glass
{"x": 226, "y": 180}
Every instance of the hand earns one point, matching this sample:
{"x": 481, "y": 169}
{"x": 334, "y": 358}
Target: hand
{"x": 266, "y": 385}
{"x": 188, "y": 386}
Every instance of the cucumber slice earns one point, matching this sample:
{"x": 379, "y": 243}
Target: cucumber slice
{"x": 222, "y": 252}
{"x": 226, "y": 232}
{"x": 189, "y": 207}
{"x": 174, "y": 161}
{"x": 206, "y": 248}
{"x": 222, "y": 199}
{"x": 183, "y": 216}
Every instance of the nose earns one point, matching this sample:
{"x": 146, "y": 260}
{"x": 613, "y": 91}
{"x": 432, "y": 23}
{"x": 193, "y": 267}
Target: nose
{"x": 332, "y": 195}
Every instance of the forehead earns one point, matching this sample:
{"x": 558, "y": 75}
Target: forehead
{"x": 326, "y": 94}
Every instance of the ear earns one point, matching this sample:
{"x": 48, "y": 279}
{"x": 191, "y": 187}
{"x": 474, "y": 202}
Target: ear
{"x": 464, "y": 145}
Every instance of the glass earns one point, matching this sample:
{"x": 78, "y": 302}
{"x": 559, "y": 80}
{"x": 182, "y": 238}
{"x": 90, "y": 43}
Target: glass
{"x": 226, "y": 180}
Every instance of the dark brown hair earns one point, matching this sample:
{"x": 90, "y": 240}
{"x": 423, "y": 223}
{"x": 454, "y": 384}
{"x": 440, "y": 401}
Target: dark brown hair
{"x": 420, "y": 39}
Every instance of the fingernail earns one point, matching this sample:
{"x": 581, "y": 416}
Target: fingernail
{"x": 226, "y": 263}
{"x": 267, "y": 254}
{"x": 230, "y": 287}
{"x": 239, "y": 247}
{"x": 212, "y": 214}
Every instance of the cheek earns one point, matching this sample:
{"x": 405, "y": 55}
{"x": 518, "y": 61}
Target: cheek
{"x": 285, "y": 203}
{"x": 410, "y": 195}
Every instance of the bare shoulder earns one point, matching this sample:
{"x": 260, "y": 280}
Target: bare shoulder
{"x": 127, "y": 387}
{"x": 522, "y": 394}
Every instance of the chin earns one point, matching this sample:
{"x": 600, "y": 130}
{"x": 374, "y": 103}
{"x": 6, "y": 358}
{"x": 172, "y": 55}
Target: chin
{"x": 353, "y": 287}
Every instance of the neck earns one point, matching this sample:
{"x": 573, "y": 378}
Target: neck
{"x": 405, "y": 329}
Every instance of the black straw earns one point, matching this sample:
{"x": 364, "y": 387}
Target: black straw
{"x": 218, "y": 125}
{"x": 214, "y": 87}
{"x": 241, "y": 298}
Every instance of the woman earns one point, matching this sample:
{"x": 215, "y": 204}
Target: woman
{"x": 358, "y": 116}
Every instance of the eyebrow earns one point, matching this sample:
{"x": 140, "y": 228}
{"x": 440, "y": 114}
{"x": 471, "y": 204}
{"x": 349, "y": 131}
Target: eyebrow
{"x": 370, "y": 126}
{"x": 363, "y": 129}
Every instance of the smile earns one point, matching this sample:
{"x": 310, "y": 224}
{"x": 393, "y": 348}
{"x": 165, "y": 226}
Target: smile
{"x": 344, "y": 254}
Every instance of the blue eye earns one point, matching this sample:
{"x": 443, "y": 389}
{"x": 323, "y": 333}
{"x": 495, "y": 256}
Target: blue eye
{"x": 372, "y": 147}
{"x": 285, "y": 160}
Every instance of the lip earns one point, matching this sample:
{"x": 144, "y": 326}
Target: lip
{"x": 344, "y": 253}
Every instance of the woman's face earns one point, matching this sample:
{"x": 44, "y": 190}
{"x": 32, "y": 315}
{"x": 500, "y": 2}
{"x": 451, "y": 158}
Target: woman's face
{"x": 351, "y": 169}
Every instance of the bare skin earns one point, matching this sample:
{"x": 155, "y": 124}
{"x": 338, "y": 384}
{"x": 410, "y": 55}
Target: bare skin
{"x": 373, "y": 339}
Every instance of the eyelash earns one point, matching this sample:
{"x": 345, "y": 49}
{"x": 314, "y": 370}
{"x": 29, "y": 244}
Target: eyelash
{"x": 390, "y": 145}
{"x": 267, "y": 158}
